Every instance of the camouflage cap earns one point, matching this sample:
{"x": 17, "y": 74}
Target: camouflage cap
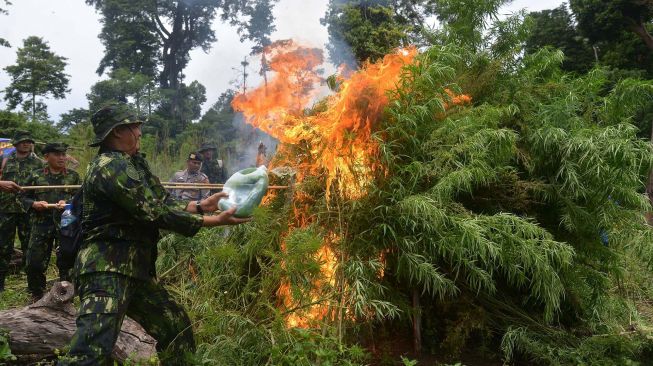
{"x": 55, "y": 147}
{"x": 21, "y": 136}
{"x": 109, "y": 117}
{"x": 195, "y": 156}
{"x": 208, "y": 146}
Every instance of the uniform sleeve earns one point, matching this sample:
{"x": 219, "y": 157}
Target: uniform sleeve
{"x": 204, "y": 193}
{"x": 120, "y": 182}
{"x": 27, "y": 198}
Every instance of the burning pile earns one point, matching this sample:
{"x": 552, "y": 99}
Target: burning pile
{"x": 338, "y": 133}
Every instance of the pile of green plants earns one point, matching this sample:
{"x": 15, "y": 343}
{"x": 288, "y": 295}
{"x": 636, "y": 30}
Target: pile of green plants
{"x": 513, "y": 226}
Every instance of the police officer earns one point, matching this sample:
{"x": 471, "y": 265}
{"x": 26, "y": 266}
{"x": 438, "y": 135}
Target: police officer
{"x": 16, "y": 167}
{"x": 191, "y": 174}
{"x": 125, "y": 205}
{"x": 212, "y": 167}
{"x": 44, "y": 221}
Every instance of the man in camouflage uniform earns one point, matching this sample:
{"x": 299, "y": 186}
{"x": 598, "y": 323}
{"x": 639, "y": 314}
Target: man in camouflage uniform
{"x": 44, "y": 221}
{"x": 191, "y": 174}
{"x": 213, "y": 168}
{"x": 125, "y": 205}
{"x": 16, "y": 167}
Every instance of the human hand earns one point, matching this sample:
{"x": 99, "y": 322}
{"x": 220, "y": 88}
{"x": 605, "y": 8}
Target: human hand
{"x": 225, "y": 218}
{"x": 61, "y": 204}
{"x": 9, "y": 186}
{"x": 210, "y": 204}
{"x": 40, "y": 205}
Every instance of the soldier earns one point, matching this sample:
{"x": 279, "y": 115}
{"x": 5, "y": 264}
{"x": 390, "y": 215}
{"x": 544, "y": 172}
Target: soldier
{"x": 125, "y": 205}
{"x": 213, "y": 168}
{"x": 16, "y": 167}
{"x": 191, "y": 174}
{"x": 44, "y": 221}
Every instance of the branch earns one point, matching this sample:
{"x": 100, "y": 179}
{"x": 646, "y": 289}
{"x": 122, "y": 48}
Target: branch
{"x": 639, "y": 28}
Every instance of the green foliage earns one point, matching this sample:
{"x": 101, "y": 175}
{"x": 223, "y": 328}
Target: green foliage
{"x": 38, "y": 72}
{"x": 367, "y": 30}
{"x": 619, "y": 31}
{"x": 5, "y": 351}
{"x": 556, "y": 28}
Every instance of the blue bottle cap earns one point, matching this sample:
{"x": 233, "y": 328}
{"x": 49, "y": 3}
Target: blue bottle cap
{"x": 68, "y": 206}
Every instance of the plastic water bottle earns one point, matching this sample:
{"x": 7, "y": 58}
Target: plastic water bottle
{"x": 67, "y": 216}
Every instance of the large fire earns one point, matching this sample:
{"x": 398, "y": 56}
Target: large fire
{"x": 337, "y": 132}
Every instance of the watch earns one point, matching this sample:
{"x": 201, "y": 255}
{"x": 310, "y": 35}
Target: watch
{"x": 198, "y": 208}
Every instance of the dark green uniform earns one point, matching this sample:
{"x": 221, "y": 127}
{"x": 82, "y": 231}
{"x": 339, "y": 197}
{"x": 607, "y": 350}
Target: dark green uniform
{"x": 12, "y": 213}
{"x": 125, "y": 205}
{"x": 214, "y": 169}
{"x": 45, "y": 226}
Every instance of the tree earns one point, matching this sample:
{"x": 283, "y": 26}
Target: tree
{"x": 125, "y": 86}
{"x": 38, "y": 72}
{"x": 363, "y": 30}
{"x": 73, "y": 117}
{"x": 603, "y": 20}
{"x": 258, "y": 30}
{"x": 556, "y": 28}
{"x": 3, "y": 11}
{"x": 156, "y": 36}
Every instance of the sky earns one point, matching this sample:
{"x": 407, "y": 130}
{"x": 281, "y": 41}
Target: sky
{"x": 71, "y": 28}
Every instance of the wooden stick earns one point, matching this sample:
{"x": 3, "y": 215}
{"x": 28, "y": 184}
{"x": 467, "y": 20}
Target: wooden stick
{"x": 53, "y": 205}
{"x": 33, "y": 188}
{"x": 187, "y": 186}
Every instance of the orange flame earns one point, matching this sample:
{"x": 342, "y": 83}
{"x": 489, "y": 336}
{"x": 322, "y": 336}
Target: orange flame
{"x": 337, "y": 133}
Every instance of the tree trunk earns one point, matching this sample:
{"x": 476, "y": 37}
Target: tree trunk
{"x": 417, "y": 323}
{"x": 640, "y": 29}
{"x": 33, "y": 107}
{"x": 41, "y": 328}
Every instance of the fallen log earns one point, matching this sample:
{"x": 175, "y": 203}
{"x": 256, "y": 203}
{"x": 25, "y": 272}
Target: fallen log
{"x": 49, "y": 324}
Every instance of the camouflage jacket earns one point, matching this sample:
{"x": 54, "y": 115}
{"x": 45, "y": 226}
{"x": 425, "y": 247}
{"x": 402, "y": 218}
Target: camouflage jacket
{"x": 189, "y": 194}
{"x": 214, "y": 169}
{"x": 43, "y": 177}
{"x": 125, "y": 205}
{"x": 17, "y": 170}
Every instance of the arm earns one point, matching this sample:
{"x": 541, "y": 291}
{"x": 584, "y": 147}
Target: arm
{"x": 120, "y": 182}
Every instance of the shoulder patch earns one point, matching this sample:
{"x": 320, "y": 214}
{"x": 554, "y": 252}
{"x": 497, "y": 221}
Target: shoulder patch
{"x": 103, "y": 161}
{"x": 132, "y": 172}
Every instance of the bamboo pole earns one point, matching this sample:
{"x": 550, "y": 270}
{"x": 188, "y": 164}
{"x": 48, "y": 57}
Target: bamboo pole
{"x": 186, "y": 186}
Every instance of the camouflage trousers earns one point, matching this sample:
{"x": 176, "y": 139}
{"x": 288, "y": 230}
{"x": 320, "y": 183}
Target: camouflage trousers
{"x": 43, "y": 238}
{"x": 9, "y": 222}
{"x": 106, "y": 298}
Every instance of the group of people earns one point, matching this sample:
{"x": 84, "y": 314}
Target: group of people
{"x": 34, "y": 214}
{"x": 124, "y": 207}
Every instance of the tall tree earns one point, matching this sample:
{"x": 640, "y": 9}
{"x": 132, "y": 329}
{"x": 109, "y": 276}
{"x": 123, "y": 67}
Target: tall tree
{"x": 556, "y": 28}
{"x": 156, "y": 37}
{"x": 362, "y": 30}
{"x": 258, "y": 29}
{"x": 73, "y": 117}
{"x": 38, "y": 72}
{"x": 603, "y": 20}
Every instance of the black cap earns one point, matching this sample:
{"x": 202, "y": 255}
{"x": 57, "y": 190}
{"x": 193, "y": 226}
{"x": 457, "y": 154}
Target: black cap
{"x": 21, "y": 136}
{"x": 207, "y": 146}
{"x": 55, "y": 147}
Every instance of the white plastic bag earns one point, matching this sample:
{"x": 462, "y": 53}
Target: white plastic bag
{"x": 246, "y": 189}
